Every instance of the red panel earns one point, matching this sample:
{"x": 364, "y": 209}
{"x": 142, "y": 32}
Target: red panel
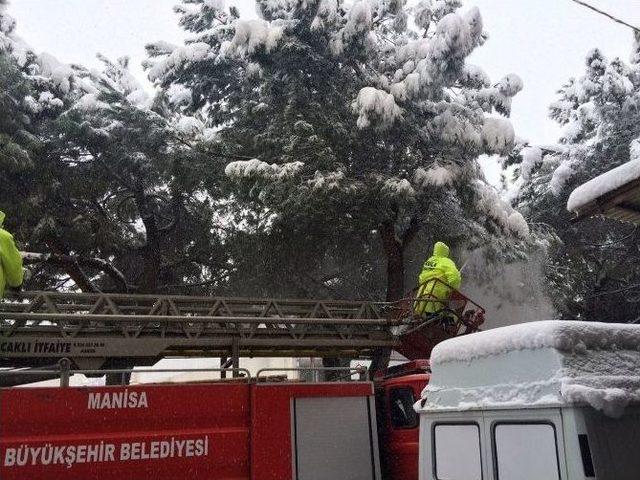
{"x": 178, "y": 431}
{"x": 271, "y": 422}
{"x": 184, "y": 431}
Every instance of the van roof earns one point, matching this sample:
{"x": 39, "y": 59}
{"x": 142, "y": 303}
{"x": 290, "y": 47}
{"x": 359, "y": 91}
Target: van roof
{"x": 548, "y": 363}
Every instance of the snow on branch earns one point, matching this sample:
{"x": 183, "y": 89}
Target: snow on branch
{"x": 258, "y": 169}
{"x": 490, "y": 203}
{"x": 327, "y": 181}
{"x": 192, "y": 52}
{"x": 399, "y": 188}
{"x": 60, "y": 73}
{"x": 497, "y": 135}
{"x": 252, "y": 35}
{"x": 372, "y": 103}
{"x": 436, "y": 176}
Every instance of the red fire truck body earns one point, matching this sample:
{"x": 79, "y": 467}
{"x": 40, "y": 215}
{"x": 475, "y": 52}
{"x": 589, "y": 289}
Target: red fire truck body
{"x": 230, "y": 429}
{"x": 218, "y": 430}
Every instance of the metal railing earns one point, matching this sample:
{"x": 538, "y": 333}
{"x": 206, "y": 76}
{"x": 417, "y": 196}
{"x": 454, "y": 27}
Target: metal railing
{"x": 359, "y": 370}
{"x": 65, "y": 372}
{"x": 135, "y": 326}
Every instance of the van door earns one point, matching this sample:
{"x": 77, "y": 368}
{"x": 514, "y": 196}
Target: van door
{"x": 524, "y": 444}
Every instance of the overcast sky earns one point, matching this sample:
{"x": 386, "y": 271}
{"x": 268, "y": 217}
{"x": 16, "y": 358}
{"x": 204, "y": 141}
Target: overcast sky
{"x": 543, "y": 41}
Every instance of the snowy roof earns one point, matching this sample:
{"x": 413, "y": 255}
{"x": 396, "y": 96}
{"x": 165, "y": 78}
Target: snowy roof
{"x": 549, "y": 363}
{"x": 614, "y": 194}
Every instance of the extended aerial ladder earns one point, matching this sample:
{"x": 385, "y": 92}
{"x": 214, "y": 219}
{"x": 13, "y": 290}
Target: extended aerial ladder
{"x": 98, "y": 330}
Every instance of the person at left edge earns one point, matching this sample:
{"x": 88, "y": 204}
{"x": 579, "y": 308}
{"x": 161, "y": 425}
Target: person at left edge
{"x": 11, "y": 273}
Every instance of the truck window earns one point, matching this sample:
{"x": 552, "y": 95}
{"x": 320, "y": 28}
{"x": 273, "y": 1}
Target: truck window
{"x": 525, "y": 451}
{"x": 401, "y": 405}
{"x": 456, "y": 449}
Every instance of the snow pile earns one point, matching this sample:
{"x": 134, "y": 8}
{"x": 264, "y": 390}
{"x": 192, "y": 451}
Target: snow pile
{"x": 436, "y": 176}
{"x": 359, "y": 18}
{"x": 60, "y": 73}
{"x": 634, "y": 149}
{"x": 510, "y": 85}
{"x": 372, "y": 102}
{"x": 455, "y": 37}
{"x": 452, "y": 36}
{"x": 401, "y": 188}
{"x": 119, "y": 77}
{"x": 498, "y": 135}
{"x": 189, "y": 125}
{"x": 564, "y": 336}
{"x": 179, "y": 95}
{"x": 327, "y": 181}
{"x": 422, "y": 14}
{"x": 257, "y": 168}
{"x": 531, "y": 158}
{"x": 538, "y": 363}
{"x": 358, "y": 23}
{"x": 251, "y": 35}
{"x": 89, "y": 103}
{"x": 490, "y": 203}
{"x": 474, "y": 76}
{"x": 9, "y": 41}
{"x": 603, "y": 184}
{"x": 562, "y": 175}
{"x": 326, "y": 15}
{"x": 518, "y": 225}
{"x": 175, "y": 57}
{"x": 215, "y": 4}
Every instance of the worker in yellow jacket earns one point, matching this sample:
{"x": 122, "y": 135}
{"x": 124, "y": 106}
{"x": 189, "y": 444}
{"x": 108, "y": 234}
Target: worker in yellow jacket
{"x": 432, "y": 293}
{"x": 10, "y": 260}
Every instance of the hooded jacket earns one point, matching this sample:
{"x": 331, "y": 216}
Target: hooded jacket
{"x": 10, "y": 260}
{"x": 439, "y": 266}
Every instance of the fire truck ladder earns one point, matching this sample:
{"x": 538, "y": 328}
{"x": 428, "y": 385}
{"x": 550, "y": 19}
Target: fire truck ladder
{"x": 97, "y": 330}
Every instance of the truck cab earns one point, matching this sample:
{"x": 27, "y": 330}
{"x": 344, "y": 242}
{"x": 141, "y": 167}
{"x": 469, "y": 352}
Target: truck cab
{"x": 397, "y": 390}
{"x": 549, "y": 400}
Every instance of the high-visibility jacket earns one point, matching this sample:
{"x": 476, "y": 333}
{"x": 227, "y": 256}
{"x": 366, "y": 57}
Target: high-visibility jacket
{"x": 10, "y": 260}
{"x": 433, "y": 293}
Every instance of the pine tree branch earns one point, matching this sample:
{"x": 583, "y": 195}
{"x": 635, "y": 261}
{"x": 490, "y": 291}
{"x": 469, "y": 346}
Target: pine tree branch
{"x": 608, "y": 15}
{"x": 65, "y": 260}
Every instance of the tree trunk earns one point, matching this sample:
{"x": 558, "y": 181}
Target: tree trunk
{"x": 394, "y": 251}
{"x": 394, "y": 248}
{"x": 151, "y": 259}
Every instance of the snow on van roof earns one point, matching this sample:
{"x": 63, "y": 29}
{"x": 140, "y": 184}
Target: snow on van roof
{"x": 548, "y": 363}
{"x": 563, "y": 335}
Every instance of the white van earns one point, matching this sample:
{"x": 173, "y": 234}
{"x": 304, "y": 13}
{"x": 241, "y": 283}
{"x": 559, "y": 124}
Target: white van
{"x": 551, "y": 400}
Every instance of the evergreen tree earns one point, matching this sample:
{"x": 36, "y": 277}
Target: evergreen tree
{"x": 351, "y": 116}
{"x": 593, "y": 270}
{"x": 103, "y": 177}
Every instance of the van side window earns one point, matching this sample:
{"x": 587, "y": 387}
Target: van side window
{"x": 402, "y": 413}
{"x": 456, "y": 450}
{"x": 526, "y": 451}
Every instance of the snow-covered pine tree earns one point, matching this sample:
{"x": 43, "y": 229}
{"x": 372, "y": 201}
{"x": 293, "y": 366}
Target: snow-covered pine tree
{"x": 141, "y": 202}
{"x": 353, "y": 114}
{"x": 15, "y": 136}
{"x": 593, "y": 271}
{"x": 105, "y": 176}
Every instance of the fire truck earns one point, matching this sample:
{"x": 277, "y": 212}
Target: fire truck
{"x": 238, "y": 426}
